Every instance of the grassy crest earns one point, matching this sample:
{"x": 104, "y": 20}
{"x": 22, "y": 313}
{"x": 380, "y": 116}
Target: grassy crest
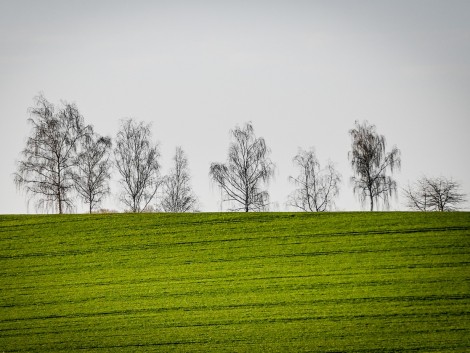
{"x": 349, "y": 282}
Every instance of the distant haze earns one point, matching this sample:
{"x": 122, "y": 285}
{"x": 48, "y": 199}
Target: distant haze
{"x": 301, "y": 71}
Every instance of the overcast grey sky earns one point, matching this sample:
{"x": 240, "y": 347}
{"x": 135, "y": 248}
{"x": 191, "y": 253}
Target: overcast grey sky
{"x": 301, "y": 71}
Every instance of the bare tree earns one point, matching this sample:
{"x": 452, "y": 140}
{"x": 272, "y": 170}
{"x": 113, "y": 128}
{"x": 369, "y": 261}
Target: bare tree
{"x": 434, "y": 194}
{"x": 247, "y": 168}
{"x": 46, "y": 169}
{"x": 317, "y": 187}
{"x": 136, "y": 159}
{"x": 417, "y": 196}
{"x": 93, "y": 169}
{"x": 177, "y": 193}
{"x": 370, "y": 164}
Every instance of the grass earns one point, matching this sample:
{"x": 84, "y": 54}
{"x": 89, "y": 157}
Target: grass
{"x": 333, "y": 282}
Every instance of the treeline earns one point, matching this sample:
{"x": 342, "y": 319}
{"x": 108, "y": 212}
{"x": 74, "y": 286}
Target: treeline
{"x": 65, "y": 159}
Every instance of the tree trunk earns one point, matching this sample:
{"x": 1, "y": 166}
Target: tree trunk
{"x": 246, "y": 199}
{"x": 59, "y": 200}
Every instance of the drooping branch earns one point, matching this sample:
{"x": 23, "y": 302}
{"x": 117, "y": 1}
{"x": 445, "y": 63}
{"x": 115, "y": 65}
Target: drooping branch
{"x": 46, "y": 169}
{"x": 370, "y": 163}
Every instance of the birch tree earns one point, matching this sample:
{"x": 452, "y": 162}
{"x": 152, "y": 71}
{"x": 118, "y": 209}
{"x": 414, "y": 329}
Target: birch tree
{"x": 93, "y": 173}
{"x": 317, "y": 187}
{"x": 136, "y": 159}
{"x": 46, "y": 168}
{"x": 248, "y": 169}
{"x": 371, "y": 165}
{"x": 178, "y": 195}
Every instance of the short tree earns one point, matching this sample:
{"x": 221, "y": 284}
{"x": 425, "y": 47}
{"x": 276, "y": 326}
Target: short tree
{"x": 247, "y": 169}
{"x": 46, "y": 170}
{"x": 177, "y": 193}
{"x": 136, "y": 159}
{"x": 316, "y": 187}
{"x": 93, "y": 169}
{"x": 370, "y": 163}
{"x": 434, "y": 194}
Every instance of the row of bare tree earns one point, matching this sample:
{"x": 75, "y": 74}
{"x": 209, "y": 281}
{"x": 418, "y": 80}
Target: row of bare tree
{"x": 245, "y": 175}
{"x": 64, "y": 157}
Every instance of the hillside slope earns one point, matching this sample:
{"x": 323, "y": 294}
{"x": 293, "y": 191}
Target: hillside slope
{"x": 349, "y": 282}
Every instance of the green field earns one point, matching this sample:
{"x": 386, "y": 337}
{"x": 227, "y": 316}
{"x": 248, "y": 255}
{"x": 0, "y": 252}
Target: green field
{"x": 264, "y": 282}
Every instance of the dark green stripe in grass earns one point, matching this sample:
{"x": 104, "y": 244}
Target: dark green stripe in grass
{"x": 152, "y": 246}
{"x": 313, "y": 303}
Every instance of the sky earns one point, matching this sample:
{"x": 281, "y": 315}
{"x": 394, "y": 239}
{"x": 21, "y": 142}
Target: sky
{"x": 301, "y": 72}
